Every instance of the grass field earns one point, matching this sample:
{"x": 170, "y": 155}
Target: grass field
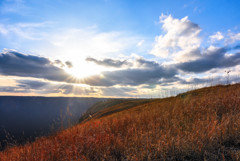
{"x": 203, "y": 124}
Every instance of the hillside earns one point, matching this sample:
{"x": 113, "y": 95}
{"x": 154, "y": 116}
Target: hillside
{"x": 110, "y": 106}
{"x": 203, "y": 124}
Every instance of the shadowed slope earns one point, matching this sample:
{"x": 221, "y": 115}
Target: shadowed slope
{"x": 105, "y": 108}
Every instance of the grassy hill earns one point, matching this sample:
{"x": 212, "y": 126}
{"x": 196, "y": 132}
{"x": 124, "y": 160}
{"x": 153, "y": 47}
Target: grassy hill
{"x": 203, "y": 124}
{"x": 108, "y": 107}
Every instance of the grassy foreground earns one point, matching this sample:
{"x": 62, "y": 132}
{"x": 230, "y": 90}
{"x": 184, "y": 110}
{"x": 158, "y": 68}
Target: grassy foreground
{"x": 199, "y": 125}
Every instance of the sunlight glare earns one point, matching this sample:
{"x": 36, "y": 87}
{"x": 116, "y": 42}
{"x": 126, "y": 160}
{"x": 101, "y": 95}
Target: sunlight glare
{"x": 84, "y": 69}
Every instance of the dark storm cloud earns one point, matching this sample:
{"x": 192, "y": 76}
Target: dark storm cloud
{"x": 212, "y": 59}
{"x": 146, "y": 63}
{"x": 13, "y": 90}
{"x": 31, "y": 84}
{"x": 169, "y": 81}
{"x": 97, "y": 80}
{"x": 109, "y": 62}
{"x": 148, "y": 72}
{"x": 24, "y": 86}
{"x": 134, "y": 77}
{"x": 17, "y": 64}
{"x": 195, "y": 81}
{"x": 209, "y": 81}
{"x": 41, "y": 87}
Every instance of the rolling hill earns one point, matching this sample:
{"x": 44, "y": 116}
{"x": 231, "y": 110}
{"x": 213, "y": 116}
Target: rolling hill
{"x": 203, "y": 124}
{"x": 110, "y": 106}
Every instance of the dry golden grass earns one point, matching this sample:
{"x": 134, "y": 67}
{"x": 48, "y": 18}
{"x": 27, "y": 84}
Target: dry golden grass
{"x": 200, "y": 125}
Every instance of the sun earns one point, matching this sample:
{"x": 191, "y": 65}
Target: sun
{"x": 80, "y": 67}
{"x": 83, "y": 70}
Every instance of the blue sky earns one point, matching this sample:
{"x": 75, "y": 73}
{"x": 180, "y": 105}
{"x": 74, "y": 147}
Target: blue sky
{"x": 119, "y": 48}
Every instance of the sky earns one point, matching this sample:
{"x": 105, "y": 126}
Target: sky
{"x": 117, "y": 48}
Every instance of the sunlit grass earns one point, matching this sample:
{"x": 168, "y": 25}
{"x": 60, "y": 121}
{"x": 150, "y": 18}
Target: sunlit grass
{"x": 200, "y": 125}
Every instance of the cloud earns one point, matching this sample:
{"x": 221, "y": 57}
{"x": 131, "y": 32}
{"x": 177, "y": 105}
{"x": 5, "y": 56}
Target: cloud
{"x": 13, "y": 6}
{"x": 59, "y": 62}
{"x": 212, "y": 58}
{"x": 216, "y": 37}
{"x": 31, "y": 84}
{"x": 195, "y": 81}
{"x": 75, "y": 44}
{"x": 169, "y": 81}
{"x": 69, "y": 64}
{"x": 29, "y": 31}
{"x": 90, "y": 42}
{"x": 12, "y": 90}
{"x": 150, "y": 73}
{"x": 233, "y": 37}
{"x": 120, "y": 92}
{"x": 180, "y": 45}
{"x": 181, "y": 34}
{"x": 17, "y": 64}
{"x": 43, "y": 87}
{"x": 140, "y": 43}
{"x": 188, "y": 55}
{"x": 97, "y": 80}
{"x": 3, "y": 30}
{"x": 109, "y": 62}
{"x": 141, "y": 62}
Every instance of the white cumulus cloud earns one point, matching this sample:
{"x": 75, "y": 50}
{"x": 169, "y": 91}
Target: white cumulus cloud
{"x": 216, "y": 37}
{"x": 234, "y": 37}
{"x": 181, "y": 35}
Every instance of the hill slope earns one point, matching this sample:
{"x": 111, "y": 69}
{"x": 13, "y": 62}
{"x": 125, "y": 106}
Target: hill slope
{"x": 108, "y": 107}
{"x": 199, "y": 125}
